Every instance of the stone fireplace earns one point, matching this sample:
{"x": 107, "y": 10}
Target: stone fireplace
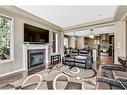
{"x": 35, "y": 55}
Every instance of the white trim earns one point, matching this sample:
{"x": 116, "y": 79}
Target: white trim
{"x": 115, "y": 12}
{"x": 27, "y": 47}
{"x": 56, "y": 42}
{"x": 124, "y": 17}
{"x": 89, "y": 26}
{"x": 11, "y": 72}
{"x": 6, "y": 61}
{"x": 11, "y": 41}
{"x": 23, "y": 14}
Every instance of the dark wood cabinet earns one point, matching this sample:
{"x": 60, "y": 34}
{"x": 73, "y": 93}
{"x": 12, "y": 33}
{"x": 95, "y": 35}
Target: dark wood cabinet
{"x": 55, "y": 59}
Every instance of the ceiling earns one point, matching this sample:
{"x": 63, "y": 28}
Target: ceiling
{"x": 96, "y": 31}
{"x": 66, "y": 16}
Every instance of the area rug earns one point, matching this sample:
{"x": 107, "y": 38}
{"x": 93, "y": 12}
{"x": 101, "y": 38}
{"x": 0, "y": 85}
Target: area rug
{"x": 79, "y": 78}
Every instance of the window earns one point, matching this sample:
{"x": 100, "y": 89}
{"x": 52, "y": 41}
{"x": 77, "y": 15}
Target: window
{"x": 55, "y": 42}
{"x": 6, "y": 39}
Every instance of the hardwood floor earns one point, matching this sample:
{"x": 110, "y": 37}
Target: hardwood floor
{"x": 105, "y": 59}
{"x": 11, "y": 78}
{"x": 16, "y": 76}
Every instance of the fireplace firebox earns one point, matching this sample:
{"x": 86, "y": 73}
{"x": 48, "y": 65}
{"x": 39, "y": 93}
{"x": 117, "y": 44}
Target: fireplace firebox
{"x": 36, "y": 58}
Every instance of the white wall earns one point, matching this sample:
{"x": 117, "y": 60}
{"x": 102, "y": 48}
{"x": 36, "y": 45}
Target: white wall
{"x": 19, "y": 40}
{"x": 120, "y": 40}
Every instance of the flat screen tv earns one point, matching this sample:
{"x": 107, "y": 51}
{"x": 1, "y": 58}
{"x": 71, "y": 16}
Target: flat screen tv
{"x": 35, "y": 34}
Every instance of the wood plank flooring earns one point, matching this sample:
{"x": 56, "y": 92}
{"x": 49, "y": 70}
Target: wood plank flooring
{"x": 11, "y": 78}
{"x": 105, "y": 59}
{"x": 16, "y": 76}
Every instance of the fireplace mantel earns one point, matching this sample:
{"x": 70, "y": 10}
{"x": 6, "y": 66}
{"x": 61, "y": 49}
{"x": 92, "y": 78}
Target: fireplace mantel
{"x": 27, "y": 47}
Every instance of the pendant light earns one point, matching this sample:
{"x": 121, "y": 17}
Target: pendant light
{"x": 91, "y": 34}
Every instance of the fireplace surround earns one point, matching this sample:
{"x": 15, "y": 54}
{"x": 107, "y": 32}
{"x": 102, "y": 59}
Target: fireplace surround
{"x": 34, "y": 55}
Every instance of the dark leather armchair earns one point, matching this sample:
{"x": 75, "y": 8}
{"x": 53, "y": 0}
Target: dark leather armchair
{"x": 112, "y": 83}
{"x": 111, "y": 67}
{"x": 112, "y": 75}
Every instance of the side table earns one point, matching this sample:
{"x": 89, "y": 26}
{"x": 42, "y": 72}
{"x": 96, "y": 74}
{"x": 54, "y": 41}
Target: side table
{"x": 55, "y": 58}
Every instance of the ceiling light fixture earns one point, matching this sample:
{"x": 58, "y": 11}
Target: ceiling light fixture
{"x": 91, "y": 34}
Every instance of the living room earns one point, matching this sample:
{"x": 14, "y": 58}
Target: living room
{"x": 32, "y": 43}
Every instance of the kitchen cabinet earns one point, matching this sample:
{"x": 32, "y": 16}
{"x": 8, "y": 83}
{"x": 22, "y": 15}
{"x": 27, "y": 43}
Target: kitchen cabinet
{"x": 104, "y": 37}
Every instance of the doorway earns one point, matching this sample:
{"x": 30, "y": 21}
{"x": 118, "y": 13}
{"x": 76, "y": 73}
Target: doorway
{"x": 106, "y": 49}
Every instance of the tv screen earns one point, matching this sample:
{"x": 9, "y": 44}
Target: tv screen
{"x": 35, "y": 34}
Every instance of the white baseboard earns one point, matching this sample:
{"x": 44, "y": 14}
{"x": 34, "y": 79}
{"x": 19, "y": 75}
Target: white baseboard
{"x": 9, "y": 73}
